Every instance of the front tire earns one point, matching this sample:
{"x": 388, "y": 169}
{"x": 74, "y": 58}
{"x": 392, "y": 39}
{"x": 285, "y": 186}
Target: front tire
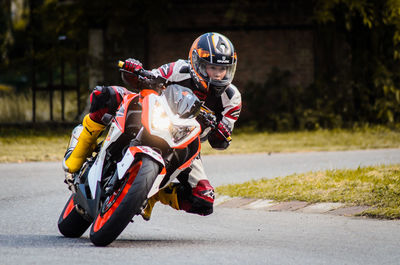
{"x": 71, "y": 223}
{"x": 119, "y": 209}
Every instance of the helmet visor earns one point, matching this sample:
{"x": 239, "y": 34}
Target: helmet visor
{"x": 216, "y": 74}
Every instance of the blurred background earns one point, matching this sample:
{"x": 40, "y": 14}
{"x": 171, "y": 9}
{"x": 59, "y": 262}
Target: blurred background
{"x": 301, "y": 64}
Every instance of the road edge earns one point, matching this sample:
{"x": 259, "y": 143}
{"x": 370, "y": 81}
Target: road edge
{"x": 339, "y": 209}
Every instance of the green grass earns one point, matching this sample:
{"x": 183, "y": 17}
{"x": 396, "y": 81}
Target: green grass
{"x": 249, "y": 141}
{"x": 377, "y": 187}
{"x": 40, "y": 144}
{"x": 48, "y": 143}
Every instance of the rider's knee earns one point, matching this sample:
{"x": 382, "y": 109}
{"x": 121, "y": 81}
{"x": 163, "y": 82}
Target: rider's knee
{"x": 105, "y": 99}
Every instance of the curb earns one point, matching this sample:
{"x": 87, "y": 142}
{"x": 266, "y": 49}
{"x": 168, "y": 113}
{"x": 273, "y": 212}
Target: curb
{"x": 339, "y": 209}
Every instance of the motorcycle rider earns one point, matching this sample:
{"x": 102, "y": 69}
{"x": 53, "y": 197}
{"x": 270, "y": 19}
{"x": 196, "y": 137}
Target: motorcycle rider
{"x": 209, "y": 72}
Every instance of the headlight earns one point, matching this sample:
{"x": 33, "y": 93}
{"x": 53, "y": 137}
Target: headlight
{"x": 180, "y": 132}
{"x": 160, "y": 119}
{"x": 162, "y": 122}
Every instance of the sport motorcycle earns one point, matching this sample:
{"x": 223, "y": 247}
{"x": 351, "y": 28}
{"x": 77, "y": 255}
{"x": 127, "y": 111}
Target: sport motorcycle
{"x": 150, "y": 141}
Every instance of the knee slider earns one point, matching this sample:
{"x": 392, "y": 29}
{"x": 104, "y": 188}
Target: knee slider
{"x": 199, "y": 200}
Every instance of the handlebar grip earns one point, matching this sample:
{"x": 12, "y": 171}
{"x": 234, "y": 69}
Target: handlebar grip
{"x": 139, "y": 72}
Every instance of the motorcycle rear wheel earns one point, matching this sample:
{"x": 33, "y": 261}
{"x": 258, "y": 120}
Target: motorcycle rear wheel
{"x": 119, "y": 209}
{"x": 71, "y": 223}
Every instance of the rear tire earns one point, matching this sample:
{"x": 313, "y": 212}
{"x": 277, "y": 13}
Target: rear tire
{"x": 71, "y": 223}
{"x": 118, "y": 210}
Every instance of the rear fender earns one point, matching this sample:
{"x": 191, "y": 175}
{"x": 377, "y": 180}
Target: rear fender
{"x": 129, "y": 157}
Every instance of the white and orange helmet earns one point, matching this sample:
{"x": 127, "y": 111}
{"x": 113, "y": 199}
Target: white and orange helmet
{"x": 211, "y": 49}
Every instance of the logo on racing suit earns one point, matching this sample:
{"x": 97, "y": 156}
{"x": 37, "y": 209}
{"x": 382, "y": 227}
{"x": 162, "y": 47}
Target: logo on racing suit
{"x": 166, "y": 70}
{"x": 208, "y": 193}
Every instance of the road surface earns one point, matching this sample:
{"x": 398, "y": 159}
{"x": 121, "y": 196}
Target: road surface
{"x": 32, "y": 196}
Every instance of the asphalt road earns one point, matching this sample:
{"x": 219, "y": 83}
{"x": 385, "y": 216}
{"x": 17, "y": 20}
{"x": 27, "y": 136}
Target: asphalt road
{"x": 239, "y": 168}
{"x": 32, "y": 196}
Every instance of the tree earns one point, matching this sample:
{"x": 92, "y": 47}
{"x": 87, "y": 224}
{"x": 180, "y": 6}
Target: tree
{"x": 372, "y": 33}
{"x": 5, "y": 28}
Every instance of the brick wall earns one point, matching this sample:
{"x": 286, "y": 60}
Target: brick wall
{"x": 259, "y": 51}
{"x": 267, "y": 34}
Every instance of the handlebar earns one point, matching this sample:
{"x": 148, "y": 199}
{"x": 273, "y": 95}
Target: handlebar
{"x": 147, "y": 79}
{"x": 141, "y": 72}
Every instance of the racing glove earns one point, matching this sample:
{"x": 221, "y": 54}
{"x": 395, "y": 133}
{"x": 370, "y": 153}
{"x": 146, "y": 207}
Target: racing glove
{"x": 132, "y": 65}
{"x": 220, "y": 137}
{"x": 130, "y": 79}
{"x": 206, "y": 120}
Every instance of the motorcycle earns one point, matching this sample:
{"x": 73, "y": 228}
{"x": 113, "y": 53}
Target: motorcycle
{"x": 150, "y": 141}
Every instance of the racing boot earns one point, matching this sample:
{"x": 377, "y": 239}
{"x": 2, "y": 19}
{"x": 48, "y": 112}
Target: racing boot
{"x": 82, "y": 144}
{"x": 167, "y": 196}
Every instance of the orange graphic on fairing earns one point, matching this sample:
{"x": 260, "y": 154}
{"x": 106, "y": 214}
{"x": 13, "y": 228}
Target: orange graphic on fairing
{"x": 189, "y": 161}
{"x": 145, "y": 92}
{"x": 185, "y": 144}
{"x": 121, "y": 113}
{"x": 69, "y": 208}
{"x": 145, "y": 113}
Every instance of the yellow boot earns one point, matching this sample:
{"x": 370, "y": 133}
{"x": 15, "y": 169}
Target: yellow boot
{"x": 167, "y": 196}
{"x": 82, "y": 144}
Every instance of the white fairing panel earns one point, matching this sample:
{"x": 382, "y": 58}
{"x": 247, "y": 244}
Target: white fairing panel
{"x": 156, "y": 185}
{"x": 96, "y": 170}
{"x": 129, "y": 157}
{"x": 125, "y": 164}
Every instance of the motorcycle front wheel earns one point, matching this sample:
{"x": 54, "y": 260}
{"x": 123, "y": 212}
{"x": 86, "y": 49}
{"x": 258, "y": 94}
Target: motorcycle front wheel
{"x": 71, "y": 223}
{"x": 118, "y": 209}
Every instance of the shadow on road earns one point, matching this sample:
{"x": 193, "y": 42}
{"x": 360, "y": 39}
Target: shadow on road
{"x": 55, "y": 241}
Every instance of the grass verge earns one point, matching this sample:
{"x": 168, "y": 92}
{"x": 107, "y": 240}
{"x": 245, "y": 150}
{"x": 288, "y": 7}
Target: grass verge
{"x": 49, "y": 142}
{"x": 377, "y": 187}
{"x": 46, "y": 143}
{"x": 368, "y": 137}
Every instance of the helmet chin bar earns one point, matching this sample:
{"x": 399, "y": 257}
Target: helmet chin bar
{"x": 217, "y": 90}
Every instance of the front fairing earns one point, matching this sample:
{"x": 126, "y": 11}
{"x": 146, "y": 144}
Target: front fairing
{"x": 159, "y": 120}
